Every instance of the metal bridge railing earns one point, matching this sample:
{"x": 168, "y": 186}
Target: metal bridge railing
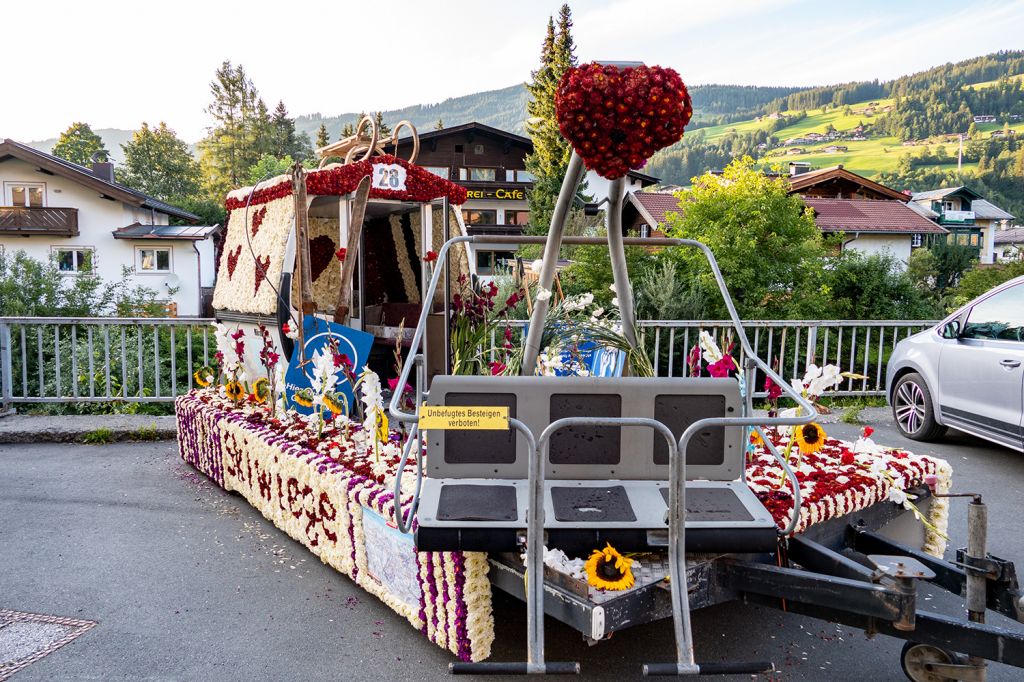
{"x": 69, "y": 359}
{"x": 58, "y": 359}
{"x": 856, "y": 346}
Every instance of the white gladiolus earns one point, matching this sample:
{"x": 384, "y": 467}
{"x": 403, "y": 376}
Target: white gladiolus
{"x": 615, "y": 302}
{"x": 712, "y": 353}
{"x": 598, "y": 312}
{"x": 586, "y": 299}
{"x": 543, "y": 294}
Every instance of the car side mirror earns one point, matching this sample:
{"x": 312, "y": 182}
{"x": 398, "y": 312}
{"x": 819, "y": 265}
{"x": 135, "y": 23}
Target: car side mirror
{"x": 951, "y": 330}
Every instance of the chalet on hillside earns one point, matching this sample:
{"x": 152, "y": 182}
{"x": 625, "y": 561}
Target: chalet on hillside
{"x": 837, "y": 182}
{"x": 970, "y": 219}
{"x": 873, "y": 217}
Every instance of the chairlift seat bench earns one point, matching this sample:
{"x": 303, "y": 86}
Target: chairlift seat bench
{"x": 602, "y": 484}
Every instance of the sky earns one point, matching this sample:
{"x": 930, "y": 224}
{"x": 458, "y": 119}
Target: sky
{"x": 116, "y": 64}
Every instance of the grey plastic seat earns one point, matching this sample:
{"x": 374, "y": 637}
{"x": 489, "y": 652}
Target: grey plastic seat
{"x": 602, "y": 483}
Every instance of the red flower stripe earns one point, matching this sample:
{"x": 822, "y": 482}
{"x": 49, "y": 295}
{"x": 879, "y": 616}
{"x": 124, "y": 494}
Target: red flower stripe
{"x": 421, "y": 185}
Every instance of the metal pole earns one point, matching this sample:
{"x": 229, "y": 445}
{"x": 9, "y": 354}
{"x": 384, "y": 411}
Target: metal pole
{"x": 5, "y": 368}
{"x": 573, "y": 176}
{"x": 617, "y": 253}
{"x": 977, "y": 581}
{"x": 447, "y": 292}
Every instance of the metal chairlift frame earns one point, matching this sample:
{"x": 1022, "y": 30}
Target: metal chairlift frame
{"x": 829, "y": 585}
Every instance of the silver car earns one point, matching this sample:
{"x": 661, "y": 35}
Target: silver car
{"x": 966, "y": 372}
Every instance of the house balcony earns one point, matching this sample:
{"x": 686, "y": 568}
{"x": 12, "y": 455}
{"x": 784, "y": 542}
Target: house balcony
{"x": 949, "y": 217}
{"x": 45, "y": 221}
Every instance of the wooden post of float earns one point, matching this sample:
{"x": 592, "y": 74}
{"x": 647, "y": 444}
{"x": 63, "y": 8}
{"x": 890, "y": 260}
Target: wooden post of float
{"x": 306, "y": 306}
{"x": 348, "y": 267}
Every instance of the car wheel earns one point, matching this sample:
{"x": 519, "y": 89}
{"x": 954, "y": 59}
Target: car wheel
{"x": 912, "y": 409}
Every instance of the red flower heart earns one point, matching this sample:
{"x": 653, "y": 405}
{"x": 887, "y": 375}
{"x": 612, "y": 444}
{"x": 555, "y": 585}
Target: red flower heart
{"x": 257, "y": 219}
{"x": 617, "y": 118}
{"x": 321, "y": 253}
{"x": 261, "y": 272}
{"x": 233, "y": 260}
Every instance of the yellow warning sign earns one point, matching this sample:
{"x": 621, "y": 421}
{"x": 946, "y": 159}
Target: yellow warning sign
{"x": 445, "y": 417}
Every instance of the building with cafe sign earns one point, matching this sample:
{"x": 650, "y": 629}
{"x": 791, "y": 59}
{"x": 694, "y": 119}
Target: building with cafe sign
{"x": 491, "y": 165}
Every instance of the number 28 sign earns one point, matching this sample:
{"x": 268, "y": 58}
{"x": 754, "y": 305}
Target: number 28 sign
{"x": 389, "y": 176}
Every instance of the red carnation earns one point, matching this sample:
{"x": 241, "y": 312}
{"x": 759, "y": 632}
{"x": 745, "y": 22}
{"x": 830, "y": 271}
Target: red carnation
{"x": 341, "y": 253}
{"x": 847, "y": 457}
{"x": 430, "y": 257}
{"x": 868, "y": 431}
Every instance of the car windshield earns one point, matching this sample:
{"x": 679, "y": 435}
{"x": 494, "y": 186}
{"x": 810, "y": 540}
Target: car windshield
{"x": 998, "y": 317}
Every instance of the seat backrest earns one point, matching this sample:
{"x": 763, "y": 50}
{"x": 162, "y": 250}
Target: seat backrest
{"x": 601, "y": 452}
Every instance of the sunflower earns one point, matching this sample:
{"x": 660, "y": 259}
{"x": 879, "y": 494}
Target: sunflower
{"x": 234, "y": 390}
{"x": 383, "y": 432}
{"x": 809, "y": 437}
{"x": 336, "y": 403}
{"x": 303, "y": 398}
{"x": 608, "y": 570}
{"x": 203, "y": 376}
{"x": 261, "y": 390}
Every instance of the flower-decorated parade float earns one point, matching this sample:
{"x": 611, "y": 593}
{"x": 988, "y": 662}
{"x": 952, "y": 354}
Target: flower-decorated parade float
{"x": 550, "y": 462}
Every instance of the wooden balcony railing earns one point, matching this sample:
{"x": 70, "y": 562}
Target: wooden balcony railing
{"x": 46, "y": 221}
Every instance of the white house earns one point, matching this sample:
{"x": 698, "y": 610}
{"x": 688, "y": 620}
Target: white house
{"x": 85, "y": 221}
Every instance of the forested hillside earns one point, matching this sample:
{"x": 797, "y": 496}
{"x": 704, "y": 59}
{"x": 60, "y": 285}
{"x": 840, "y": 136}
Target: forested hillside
{"x": 904, "y": 132}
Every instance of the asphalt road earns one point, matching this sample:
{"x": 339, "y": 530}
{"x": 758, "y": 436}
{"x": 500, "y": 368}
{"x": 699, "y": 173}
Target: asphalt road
{"x": 188, "y": 582}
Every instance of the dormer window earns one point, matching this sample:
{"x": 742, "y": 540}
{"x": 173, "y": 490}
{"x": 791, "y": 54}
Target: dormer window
{"x": 25, "y": 194}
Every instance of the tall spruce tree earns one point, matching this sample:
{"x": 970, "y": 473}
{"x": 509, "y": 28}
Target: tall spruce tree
{"x": 242, "y": 131}
{"x": 322, "y": 137}
{"x": 550, "y": 157}
{"x": 78, "y": 143}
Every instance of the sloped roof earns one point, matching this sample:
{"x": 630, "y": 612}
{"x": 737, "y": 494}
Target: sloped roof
{"x": 943, "y": 192}
{"x": 186, "y": 232}
{"x": 654, "y": 205}
{"x": 84, "y": 176}
{"x": 986, "y": 210}
{"x": 1014, "y": 235}
{"x": 822, "y": 175}
{"x": 923, "y": 210}
{"x": 861, "y": 215}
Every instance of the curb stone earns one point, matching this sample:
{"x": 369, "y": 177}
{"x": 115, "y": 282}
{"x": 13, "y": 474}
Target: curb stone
{"x": 74, "y": 428}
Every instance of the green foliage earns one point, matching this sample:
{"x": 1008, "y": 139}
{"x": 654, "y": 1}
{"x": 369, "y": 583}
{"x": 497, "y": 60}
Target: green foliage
{"x": 852, "y": 415}
{"x": 980, "y": 280}
{"x": 98, "y": 437}
{"x": 766, "y": 243}
{"x": 551, "y": 151}
{"x": 662, "y": 294}
{"x": 31, "y": 288}
{"x": 160, "y": 164}
{"x": 875, "y": 287}
{"x": 383, "y": 128}
{"x": 210, "y": 210}
{"x": 591, "y": 271}
{"x": 951, "y": 262}
{"x": 146, "y": 433}
{"x": 241, "y": 134}
{"x": 78, "y": 143}
{"x": 269, "y": 166}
